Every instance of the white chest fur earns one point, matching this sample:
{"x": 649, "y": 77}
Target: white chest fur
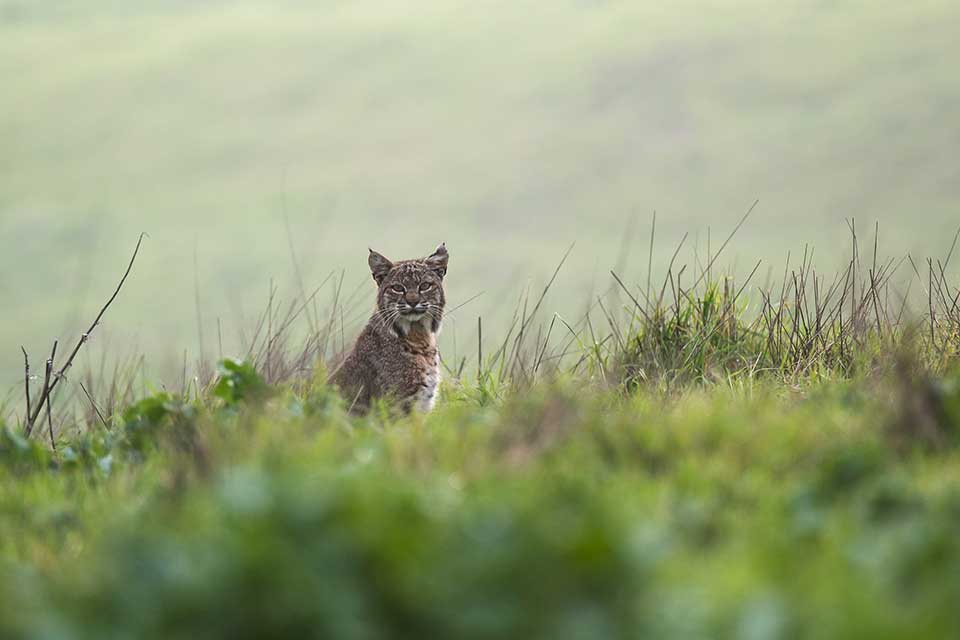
{"x": 426, "y": 396}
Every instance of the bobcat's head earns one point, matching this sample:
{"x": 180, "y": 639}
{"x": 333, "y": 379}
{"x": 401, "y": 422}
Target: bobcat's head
{"x": 411, "y": 291}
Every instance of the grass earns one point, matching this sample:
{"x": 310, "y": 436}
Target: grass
{"x": 764, "y": 451}
{"x": 696, "y": 467}
{"x": 556, "y": 513}
{"x": 505, "y": 129}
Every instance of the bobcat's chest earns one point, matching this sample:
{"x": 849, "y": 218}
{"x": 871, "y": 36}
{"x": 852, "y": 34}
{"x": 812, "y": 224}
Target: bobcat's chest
{"x": 425, "y": 361}
{"x": 426, "y": 396}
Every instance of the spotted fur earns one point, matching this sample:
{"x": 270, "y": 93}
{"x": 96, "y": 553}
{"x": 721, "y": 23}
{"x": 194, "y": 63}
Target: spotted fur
{"x": 396, "y": 355}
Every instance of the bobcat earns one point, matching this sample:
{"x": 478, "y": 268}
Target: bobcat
{"x": 396, "y": 354}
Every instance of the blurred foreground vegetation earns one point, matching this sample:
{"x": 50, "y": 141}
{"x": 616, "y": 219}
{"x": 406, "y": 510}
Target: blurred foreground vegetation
{"x": 559, "y": 513}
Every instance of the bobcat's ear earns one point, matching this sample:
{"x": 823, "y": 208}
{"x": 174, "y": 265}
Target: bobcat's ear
{"x": 379, "y": 266}
{"x": 438, "y": 260}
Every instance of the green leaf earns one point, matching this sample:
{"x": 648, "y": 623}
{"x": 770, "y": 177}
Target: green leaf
{"x": 239, "y": 382}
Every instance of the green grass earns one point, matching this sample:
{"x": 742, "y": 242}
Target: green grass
{"x": 506, "y": 129}
{"x": 556, "y": 514}
{"x": 694, "y": 470}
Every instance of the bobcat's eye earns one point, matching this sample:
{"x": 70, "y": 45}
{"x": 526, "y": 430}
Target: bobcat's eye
{"x": 426, "y": 286}
{"x": 397, "y": 288}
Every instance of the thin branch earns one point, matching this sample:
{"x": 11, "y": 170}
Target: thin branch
{"x": 47, "y": 390}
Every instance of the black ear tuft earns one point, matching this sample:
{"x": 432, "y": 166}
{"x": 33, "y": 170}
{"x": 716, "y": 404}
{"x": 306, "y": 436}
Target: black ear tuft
{"x": 438, "y": 260}
{"x": 379, "y": 266}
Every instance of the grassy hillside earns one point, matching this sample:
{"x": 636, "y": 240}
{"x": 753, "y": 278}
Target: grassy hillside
{"x": 508, "y": 130}
{"x": 688, "y": 471}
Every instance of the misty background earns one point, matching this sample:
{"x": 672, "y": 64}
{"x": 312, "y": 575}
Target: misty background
{"x": 231, "y": 132}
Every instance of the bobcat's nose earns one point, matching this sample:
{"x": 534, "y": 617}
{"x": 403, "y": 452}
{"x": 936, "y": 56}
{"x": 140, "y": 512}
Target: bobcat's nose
{"x": 412, "y": 298}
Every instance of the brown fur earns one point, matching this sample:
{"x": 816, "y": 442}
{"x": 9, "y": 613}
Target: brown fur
{"x": 396, "y": 354}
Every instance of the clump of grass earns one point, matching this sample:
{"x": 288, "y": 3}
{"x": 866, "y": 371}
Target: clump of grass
{"x": 706, "y": 328}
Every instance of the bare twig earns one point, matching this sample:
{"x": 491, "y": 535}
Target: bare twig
{"x": 53, "y": 380}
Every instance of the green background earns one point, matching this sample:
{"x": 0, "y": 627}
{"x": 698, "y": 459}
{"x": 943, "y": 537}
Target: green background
{"x": 506, "y": 129}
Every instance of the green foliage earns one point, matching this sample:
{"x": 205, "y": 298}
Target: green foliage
{"x": 20, "y": 454}
{"x": 238, "y": 382}
{"x": 144, "y": 421}
{"x": 93, "y": 452}
{"x": 947, "y": 393}
{"x": 566, "y": 511}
